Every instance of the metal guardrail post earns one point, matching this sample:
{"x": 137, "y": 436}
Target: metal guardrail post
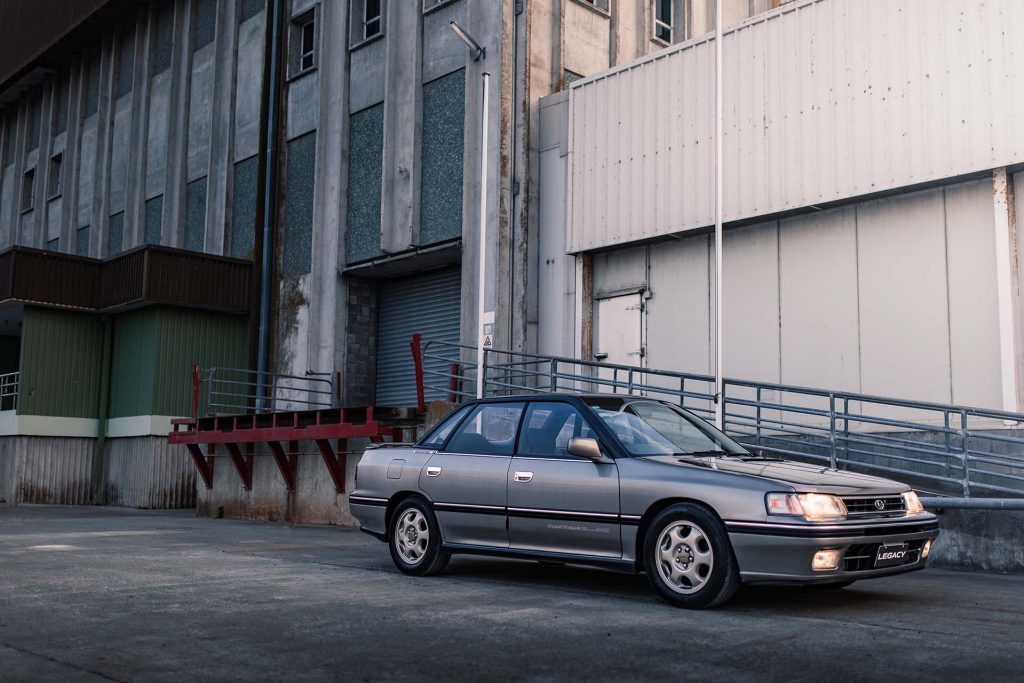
{"x": 945, "y": 423}
{"x": 482, "y": 379}
{"x": 832, "y": 431}
{"x": 758, "y": 416}
{"x": 965, "y": 454}
{"x": 552, "y": 375}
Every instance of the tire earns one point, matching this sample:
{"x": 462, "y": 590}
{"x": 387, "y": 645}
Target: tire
{"x": 835, "y": 585}
{"x": 688, "y": 558}
{"x": 414, "y": 539}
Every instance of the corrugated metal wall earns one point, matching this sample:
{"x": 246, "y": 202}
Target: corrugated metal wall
{"x": 60, "y": 363}
{"x": 893, "y": 297}
{"x": 146, "y": 472}
{"x": 427, "y": 304}
{"x": 47, "y": 470}
{"x": 824, "y": 100}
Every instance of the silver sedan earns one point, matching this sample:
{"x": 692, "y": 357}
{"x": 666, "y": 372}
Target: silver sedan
{"x": 637, "y": 485}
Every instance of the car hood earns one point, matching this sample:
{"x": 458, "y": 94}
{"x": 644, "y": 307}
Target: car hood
{"x": 804, "y": 477}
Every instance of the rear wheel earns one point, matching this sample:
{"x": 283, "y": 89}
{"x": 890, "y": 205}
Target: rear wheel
{"x": 415, "y": 539}
{"x": 688, "y": 558}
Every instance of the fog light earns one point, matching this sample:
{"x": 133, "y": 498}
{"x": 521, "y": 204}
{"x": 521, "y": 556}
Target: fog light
{"x": 826, "y": 559}
{"x": 926, "y": 549}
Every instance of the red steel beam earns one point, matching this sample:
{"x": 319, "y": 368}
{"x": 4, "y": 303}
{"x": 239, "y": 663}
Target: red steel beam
{"x": 204, "y": 463}
{"x": 282, "y": 433}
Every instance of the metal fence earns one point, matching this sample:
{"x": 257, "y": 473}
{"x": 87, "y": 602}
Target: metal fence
{"x": 236, "y": 391}
{"x": 941, "y": 449}
{"x": 9, "y": 391}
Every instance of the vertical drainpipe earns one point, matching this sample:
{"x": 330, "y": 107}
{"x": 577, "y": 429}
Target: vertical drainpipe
{"x": 272, "y": 97}
{"x": 98, "y": 456}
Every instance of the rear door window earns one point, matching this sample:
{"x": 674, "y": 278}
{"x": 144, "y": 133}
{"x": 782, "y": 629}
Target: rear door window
{"x": 490, "y": 430}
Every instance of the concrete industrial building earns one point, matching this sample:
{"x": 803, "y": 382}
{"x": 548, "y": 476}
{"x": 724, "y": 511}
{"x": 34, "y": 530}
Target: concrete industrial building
{"x": 145, "y": 145}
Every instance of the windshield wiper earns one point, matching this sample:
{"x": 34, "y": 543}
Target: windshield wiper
{"x": 702, "y": 454}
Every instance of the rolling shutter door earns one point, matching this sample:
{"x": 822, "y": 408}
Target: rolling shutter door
{"x": 427, "y": 304}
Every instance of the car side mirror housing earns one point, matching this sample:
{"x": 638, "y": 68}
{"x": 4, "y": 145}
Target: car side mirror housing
{"x": 583, "y": 447}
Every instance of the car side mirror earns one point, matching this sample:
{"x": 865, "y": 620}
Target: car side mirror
{"x": 583, "y": 447}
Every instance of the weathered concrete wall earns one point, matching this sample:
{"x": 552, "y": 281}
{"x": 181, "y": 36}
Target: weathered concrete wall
{"x": 980, "y": 539}
{"x": 313, "y": 502}
{"x": 147, "y": 472}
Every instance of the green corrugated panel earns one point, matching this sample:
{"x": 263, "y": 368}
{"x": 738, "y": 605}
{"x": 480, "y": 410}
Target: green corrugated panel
{"x": 186, "y": 337}
{"x": 133, "y": 363}
{"x": 60, "y": 363}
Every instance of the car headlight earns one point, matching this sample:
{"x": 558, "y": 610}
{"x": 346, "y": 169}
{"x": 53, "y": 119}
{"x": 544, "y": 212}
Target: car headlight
{"x": 811, "y": 506}
{"x": 912, "y": 503}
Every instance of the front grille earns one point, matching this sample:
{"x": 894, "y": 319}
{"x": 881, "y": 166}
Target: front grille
{"x": 861, "y": 557}
{"x": 875, "y": 506}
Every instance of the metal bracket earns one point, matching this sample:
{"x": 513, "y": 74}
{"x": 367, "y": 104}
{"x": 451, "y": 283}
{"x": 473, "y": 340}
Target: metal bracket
{"x": 335, "y": 463}
{"x": 243, "y": 464}
{"x": 287, "y": 464}
{"x": 204, "y": 463}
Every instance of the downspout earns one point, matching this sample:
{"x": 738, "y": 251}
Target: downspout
{"x": 272, "y": 97}
{"x": 99, "y": 448}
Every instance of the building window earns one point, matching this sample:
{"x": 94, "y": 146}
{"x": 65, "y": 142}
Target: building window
{"x": 367, "y": 20}
{"x": 429, "y": 5}
{"x": 28, "y": 190}
{"x": 599, "y": 5}
{"x": 302, "y": 42}
{"x": 55, "y": 178}
{"x": 663, "y": 21}
{"x": 53, "y": 245}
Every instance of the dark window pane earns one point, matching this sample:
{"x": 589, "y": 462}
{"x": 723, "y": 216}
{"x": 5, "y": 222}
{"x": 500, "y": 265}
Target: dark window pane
{"x": 372, "y": 28}
{"x": 82, "y": 241}
{"x": 366, "y": 146}
{"x": 10, "y": 123}
{"x": 249, "y": 9}
{"x": 34, "y": 113}
{"x": 308, "y": 34}
{"x": 125, "y": 60}
{"x": 154, "y": 219}
{"x": 54, "y": 244}
{"x": 195, "y": 215}
{"x": 490, "y": 430}
{"x": 92, "y": 84}
{"x": 372, "y": 9}
{"x": 115, "y": 234}
{"x": 205, "y": 24}
{"x": 297, "y": 236}
{"x": 55, "y": 180}
{"x": 28, "y": 190}
{"x": 60, "y": 104}
{"x": 444, "y": 109}
{"x": 164, "y": 43}
{"x": 243, "y": 208}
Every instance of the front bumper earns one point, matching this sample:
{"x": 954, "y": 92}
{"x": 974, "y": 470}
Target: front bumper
{"x": 782, "y": 553}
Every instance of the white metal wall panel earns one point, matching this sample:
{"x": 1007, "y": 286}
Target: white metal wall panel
{"x": 824, "y": 100}
{"x": 425, "y": 304}
{"x": 818, "y": 300}
{"x": 678, "y": 314}
{"x": 973, "y": 300}
{"x": 904, "y": 324}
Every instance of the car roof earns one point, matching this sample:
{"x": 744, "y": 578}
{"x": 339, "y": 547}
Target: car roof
{"x": 560, "y": 395}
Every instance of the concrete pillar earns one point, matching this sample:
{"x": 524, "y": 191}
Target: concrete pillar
{"x": 222, "y": 125}
{"x": 1008, "y": 288}
{"x": 69, "y": 230}
{"x": 177, "y": 128}
{"x": 135, "y": 180}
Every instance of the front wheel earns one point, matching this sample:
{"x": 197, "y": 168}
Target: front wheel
{"x": 415, "y": 539}
{"x": 688, "y": 558}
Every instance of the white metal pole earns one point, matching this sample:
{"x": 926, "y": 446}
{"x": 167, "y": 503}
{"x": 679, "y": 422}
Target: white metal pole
{"x": 719, "y": 293}
{"x": 482, "y": 242}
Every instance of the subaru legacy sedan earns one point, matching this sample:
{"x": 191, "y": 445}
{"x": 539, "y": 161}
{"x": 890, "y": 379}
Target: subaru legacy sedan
{"x": 633, "y": 484}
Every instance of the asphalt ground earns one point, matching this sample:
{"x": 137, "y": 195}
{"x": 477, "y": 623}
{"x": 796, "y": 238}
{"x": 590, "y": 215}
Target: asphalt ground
{"x": 90, "y": 594}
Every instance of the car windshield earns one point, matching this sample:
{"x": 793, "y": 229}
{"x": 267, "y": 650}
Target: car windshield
{"x": 646, "y": 427}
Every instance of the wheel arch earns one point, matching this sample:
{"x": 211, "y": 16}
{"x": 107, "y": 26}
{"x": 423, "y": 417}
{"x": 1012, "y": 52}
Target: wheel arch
{"x": 652, "y": 511}
{"x": 393, "y": 502}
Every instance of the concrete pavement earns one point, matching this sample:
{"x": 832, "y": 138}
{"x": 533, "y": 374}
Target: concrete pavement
{"x": 91, "y": 594}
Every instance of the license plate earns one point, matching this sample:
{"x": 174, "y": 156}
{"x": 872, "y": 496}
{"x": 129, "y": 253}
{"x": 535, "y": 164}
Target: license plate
{"x": 892, "y": 555}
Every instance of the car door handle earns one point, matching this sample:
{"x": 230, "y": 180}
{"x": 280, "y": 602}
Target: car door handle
{"x": 433, "y": 471}
{"x": 523, "y": 476}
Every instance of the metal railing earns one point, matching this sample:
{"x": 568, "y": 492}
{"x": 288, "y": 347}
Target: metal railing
{"x": 236, "y": 391}
{"x": 9, "y": 391}
{"x": 940, "y": 449}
